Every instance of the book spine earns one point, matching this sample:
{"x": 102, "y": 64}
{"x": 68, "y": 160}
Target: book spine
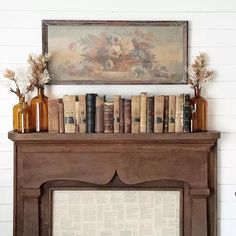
{"x": 121, "y": 115}
{"x": 108, "y": 117}
{"x": 77, "y": 118}
{"x": 99, "y": 123}
{"x": 90, "y": 110}
{"x": 135, "y": 114}
{"x": 116, "y": 100}
{"x": 172, "y": 106}
{"x": 143, "y": 113}
{"x": 179, "y": 114}
{"x": 82, "y": 114}
{"x": 166, "y": 114}
{"x": 158, "y": 114}
{"x": 69, "y": 113}
{"x": 53, "y": 116}
{"x": 127, "y": 116}
{"x": 61, "y": 116}
{"x": 187, "y": 113}
{"x": 150, "y": 114}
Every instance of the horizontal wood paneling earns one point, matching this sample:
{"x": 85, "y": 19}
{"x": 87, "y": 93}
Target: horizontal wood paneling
{"x": 122, "y": 5}
{"x": 227, "y": 175}
{"x": 224, "y": 73}
{"x": 227, "y": 227}
{"x": 220, "y": 90}
{"x": 219, "y": 106}
{"x": 34, "y": 37}
{"x": 197, "y": 20}
{"x": 226, "y": 158}
{"x": 214, "y": 123}
{"x": 7, "y": 105}
{"x": 5, "y": 144}
{"x": 218, "y": 123}
{"x": 227, "y": 210}
{"x": 6, "y": 213}
{"x": 227, "y": 141}
{"x": 6, "y": 179}
{"x": 218, "y": 55}
{"x": 7, "y": 228}
{"x": 6, "y": 160}
{"x": 14, "y": 54}
{"x": 212, "y": 29}
{"x": 197, "y": 38}
{"x": 6, "y": 196}
{"x": 226, "y": 193}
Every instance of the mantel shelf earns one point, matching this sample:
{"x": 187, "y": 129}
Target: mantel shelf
{"x": 199, "y": 137}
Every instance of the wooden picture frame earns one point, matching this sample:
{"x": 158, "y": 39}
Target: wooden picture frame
{"x": 116, "y": 52}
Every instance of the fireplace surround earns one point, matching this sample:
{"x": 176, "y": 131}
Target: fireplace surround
{"x": 45, "y": 162}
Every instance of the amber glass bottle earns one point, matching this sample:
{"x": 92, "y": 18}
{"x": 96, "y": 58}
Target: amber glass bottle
{"x": 39, "y": 109}
{"x": 15, "y": 111}
{"x": 199, "y": 112}
{"x": 24, "y": 118}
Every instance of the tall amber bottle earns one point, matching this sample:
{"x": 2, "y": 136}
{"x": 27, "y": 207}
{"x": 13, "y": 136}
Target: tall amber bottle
{"x": 15, "y": 111}
{"x": 39, "y": 109}
{"x": 199, "y": 112}
{"x": 24, "y": 118}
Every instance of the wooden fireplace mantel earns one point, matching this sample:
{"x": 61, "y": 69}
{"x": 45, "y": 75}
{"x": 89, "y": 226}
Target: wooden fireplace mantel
{"x": 44, "y": 162}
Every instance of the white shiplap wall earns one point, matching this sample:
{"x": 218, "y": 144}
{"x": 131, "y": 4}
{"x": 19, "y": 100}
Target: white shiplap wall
{"x": 212, "y": 30}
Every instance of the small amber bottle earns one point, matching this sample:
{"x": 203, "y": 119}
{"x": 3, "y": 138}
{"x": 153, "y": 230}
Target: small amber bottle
{"x": 15, "y": 111}
{"x": 199, "y": 112}
{"x": 24, "y": 118}
{"x": 39, "y": 110}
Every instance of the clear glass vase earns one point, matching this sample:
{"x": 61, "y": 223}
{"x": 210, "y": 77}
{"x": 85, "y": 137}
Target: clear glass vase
{"x": 24, "y": 118}
{"x": 15, "y": 111}
{"x": 39, "y": 109}
{"x": 199, "y": 112}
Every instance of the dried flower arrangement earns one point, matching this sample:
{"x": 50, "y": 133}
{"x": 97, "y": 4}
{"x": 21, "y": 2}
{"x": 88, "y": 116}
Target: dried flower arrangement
{"x": 199, "y": 75}
{"x": 37, "y": 76}
{"x": 37, "y": 70}
{"x": 18, "y": 84}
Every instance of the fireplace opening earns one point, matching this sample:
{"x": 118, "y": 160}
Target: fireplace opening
{"x": 116, "y": 212}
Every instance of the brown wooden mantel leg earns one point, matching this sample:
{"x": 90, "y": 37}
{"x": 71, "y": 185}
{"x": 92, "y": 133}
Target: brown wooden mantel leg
{"x": 199, "y": 212}
{"x": 30, "y": 199}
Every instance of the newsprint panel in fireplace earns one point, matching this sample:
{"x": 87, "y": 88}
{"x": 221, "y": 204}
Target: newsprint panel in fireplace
{"x": 115, "y": 184}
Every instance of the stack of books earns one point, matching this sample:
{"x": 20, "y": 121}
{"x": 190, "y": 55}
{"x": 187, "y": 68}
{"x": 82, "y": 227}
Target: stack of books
{"x": 91, "y": 113}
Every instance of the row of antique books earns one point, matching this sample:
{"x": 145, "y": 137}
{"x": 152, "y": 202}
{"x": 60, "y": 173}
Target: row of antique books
{"x": 91, "y": 113}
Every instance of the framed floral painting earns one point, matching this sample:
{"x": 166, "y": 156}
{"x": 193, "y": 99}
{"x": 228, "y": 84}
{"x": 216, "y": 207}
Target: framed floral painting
{"x": 116, "y": 52}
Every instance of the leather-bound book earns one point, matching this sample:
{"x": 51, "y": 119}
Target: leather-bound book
{"x": 77, "y": 116}
{"x": 172, "y": 106}
{"x": 121, "y": 115}
{"x": 166, "y": 114}
{"x": 99, "y": 120}
{"x": 61, "y": 116}
{"x": 135, "y": 114}
{"x": 127, "y": 116}
{"x": 82, "y": 114}
{"x": 143, "y": 113}
{"x": 150, "y": 114}
{"x": 116, "y": 100}
{"x": 179, "y": 114}
{"x": 53, "y": 116}
{"x": 187, "y": 113}
{"x": 108, "y": 117}
{"x": 158, "y": 114}
{"x": 69, "y": 113}
{"x": 90, "y": 112}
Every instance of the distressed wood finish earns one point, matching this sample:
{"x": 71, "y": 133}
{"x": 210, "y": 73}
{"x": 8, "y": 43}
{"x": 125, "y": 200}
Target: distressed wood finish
{"x": 45, "y": 162}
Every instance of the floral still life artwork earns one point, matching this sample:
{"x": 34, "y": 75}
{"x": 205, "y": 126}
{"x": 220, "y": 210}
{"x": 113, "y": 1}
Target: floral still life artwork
{"x": 116, "y": 53}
